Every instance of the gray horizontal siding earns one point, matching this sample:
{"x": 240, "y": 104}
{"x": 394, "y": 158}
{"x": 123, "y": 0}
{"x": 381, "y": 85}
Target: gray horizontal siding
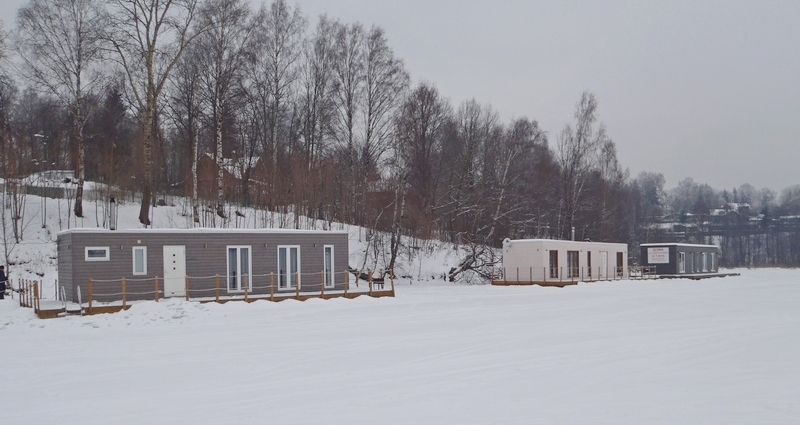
{"x": 206, "y": 256}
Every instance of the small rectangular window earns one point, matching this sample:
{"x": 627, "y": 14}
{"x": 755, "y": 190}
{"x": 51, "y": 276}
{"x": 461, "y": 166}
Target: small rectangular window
{"x": 329, "y": 273}
{"x": 98, "y": 253}
{"x": 139, "y": 260}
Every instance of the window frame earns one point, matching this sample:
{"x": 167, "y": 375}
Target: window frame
{"x": 681, "y": 262}
{"x": 589, "y": 264}
{"x": 97, "y": 248}
{"x": 240, "y": 283}
{"x": 329, "y": 270}
{"x": 144, "y": 260}
{"x": 290, "y": 282}
{"x": 553, "y": 259}
{"x": 573, "y": 263}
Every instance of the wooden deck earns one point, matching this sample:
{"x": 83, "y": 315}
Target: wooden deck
{"x": 556, "y": 283}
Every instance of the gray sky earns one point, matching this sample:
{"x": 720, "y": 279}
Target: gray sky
{"x": 701, "y": 89}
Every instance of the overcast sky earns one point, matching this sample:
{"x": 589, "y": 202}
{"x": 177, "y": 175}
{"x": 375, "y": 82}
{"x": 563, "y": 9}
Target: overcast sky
{"x": 701, "y": 89}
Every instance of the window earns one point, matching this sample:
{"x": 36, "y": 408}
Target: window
{"x": 573, "y": 264}
{"x": 682, "y": 262}
{"x": 705, "y": 263}
{"x": 329, "y": 273}
{"x": 238, "y": 268}
{"x": 713, "y": 261}
{"x": 589, "y": 264}
{"x": 98, "y": 253}
{"x": 554, "y": 264}
{"x": 288, "y": 266}
{"x": 139, "y": 260}
{"x": 620, "y": 266}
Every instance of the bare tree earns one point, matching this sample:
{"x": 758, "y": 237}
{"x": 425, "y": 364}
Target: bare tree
{"x": 223, "y": 52}
{"x": 348, "y": 71}
{"x": 385, "y": 84}
{"x": 420, "y": 127}
{"x": 60, "y": 47}
{"x": 279, "y": 34}
{"x": 316, "y": 84}
{"x": 149, "y": 37}
{"x": 184, "y": 110}
{"x": 579, "y": 150}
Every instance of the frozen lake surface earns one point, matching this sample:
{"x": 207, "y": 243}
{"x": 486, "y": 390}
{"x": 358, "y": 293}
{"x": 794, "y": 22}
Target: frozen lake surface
{"x": 625, "y": 352}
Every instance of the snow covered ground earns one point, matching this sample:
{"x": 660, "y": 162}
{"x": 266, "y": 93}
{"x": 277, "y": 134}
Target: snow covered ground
{"x": 721, "y": 351}
{"x": 716, "y": 351}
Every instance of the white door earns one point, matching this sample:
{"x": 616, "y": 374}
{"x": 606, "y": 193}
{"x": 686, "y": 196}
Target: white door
{"x": 682, "y": 262}
{"x": 603, "y": 264}
{"x": 174, "y": 270}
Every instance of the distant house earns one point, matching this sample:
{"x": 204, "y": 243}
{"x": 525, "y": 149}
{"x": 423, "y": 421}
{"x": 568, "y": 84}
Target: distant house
{"x": 551, "y": 262}
{"x": 232, "y": 261}
{"x": 680, "y": 259}
{"x": 234, "y": 174}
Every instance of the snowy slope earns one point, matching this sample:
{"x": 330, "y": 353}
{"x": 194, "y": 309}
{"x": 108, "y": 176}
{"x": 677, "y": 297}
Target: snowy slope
{"x": 34, "y": 256}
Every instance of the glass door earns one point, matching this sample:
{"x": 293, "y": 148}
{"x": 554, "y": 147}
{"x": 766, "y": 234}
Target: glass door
{"x": 238, "y": 268}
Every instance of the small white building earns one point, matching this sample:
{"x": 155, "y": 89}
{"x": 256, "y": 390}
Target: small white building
{"x": 558, "y": 262}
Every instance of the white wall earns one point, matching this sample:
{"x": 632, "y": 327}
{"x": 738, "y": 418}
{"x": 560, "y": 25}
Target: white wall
{"x": 528, "y": 259}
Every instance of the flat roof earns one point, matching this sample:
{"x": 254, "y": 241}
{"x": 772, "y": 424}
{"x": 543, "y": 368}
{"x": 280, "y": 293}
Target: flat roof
{"x": 565, "y": 241}
{"x": 695, "y": 245}
{"x": 199, "y": 230}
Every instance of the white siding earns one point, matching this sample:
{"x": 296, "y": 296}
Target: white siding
{"x": 529, "y": 259}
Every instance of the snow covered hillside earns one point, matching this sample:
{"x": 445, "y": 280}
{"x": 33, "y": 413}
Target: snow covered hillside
{"x": 623, "y": 352}
{"x": 34, "y": 256}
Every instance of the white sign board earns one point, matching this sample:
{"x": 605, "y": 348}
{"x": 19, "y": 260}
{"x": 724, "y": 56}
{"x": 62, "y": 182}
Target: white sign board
{"x": 658, "y": 255}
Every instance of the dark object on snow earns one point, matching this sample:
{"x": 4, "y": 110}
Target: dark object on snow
{"x": 365, "y": 276}
{"x": 3, "y": 282}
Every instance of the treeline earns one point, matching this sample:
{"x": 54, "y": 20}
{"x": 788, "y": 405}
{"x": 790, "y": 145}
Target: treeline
{"x": 232, "y": 105}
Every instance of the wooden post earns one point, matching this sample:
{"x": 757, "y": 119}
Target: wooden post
{"x": 297, "y": 285}
{"x": 504, "y": 275}
{"x": 216, "y": 287}
{"x": 322, "y": 284}
{"x": 36, "y": 296}
{"x": 246, "y": 284}
{"x": 346, "y": 282}
{"x": 156, "y": 284}
{"x": 90, "y": 297}
{"x": 517, "y": 275}
{"x": 530, "y": 275}
{"x": 271, "y": 286}
{"x": 560, "y": 274}
{"x": 369, "y": 280}
{"x": 186, "y": 284}
{"x": 391, "y": 277}
{"x": 124, "y": 298}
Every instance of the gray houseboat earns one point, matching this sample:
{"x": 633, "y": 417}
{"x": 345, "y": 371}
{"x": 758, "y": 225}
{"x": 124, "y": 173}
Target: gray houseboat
{"x": 681, "y": 259}
{"x": 164, "y": 262}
